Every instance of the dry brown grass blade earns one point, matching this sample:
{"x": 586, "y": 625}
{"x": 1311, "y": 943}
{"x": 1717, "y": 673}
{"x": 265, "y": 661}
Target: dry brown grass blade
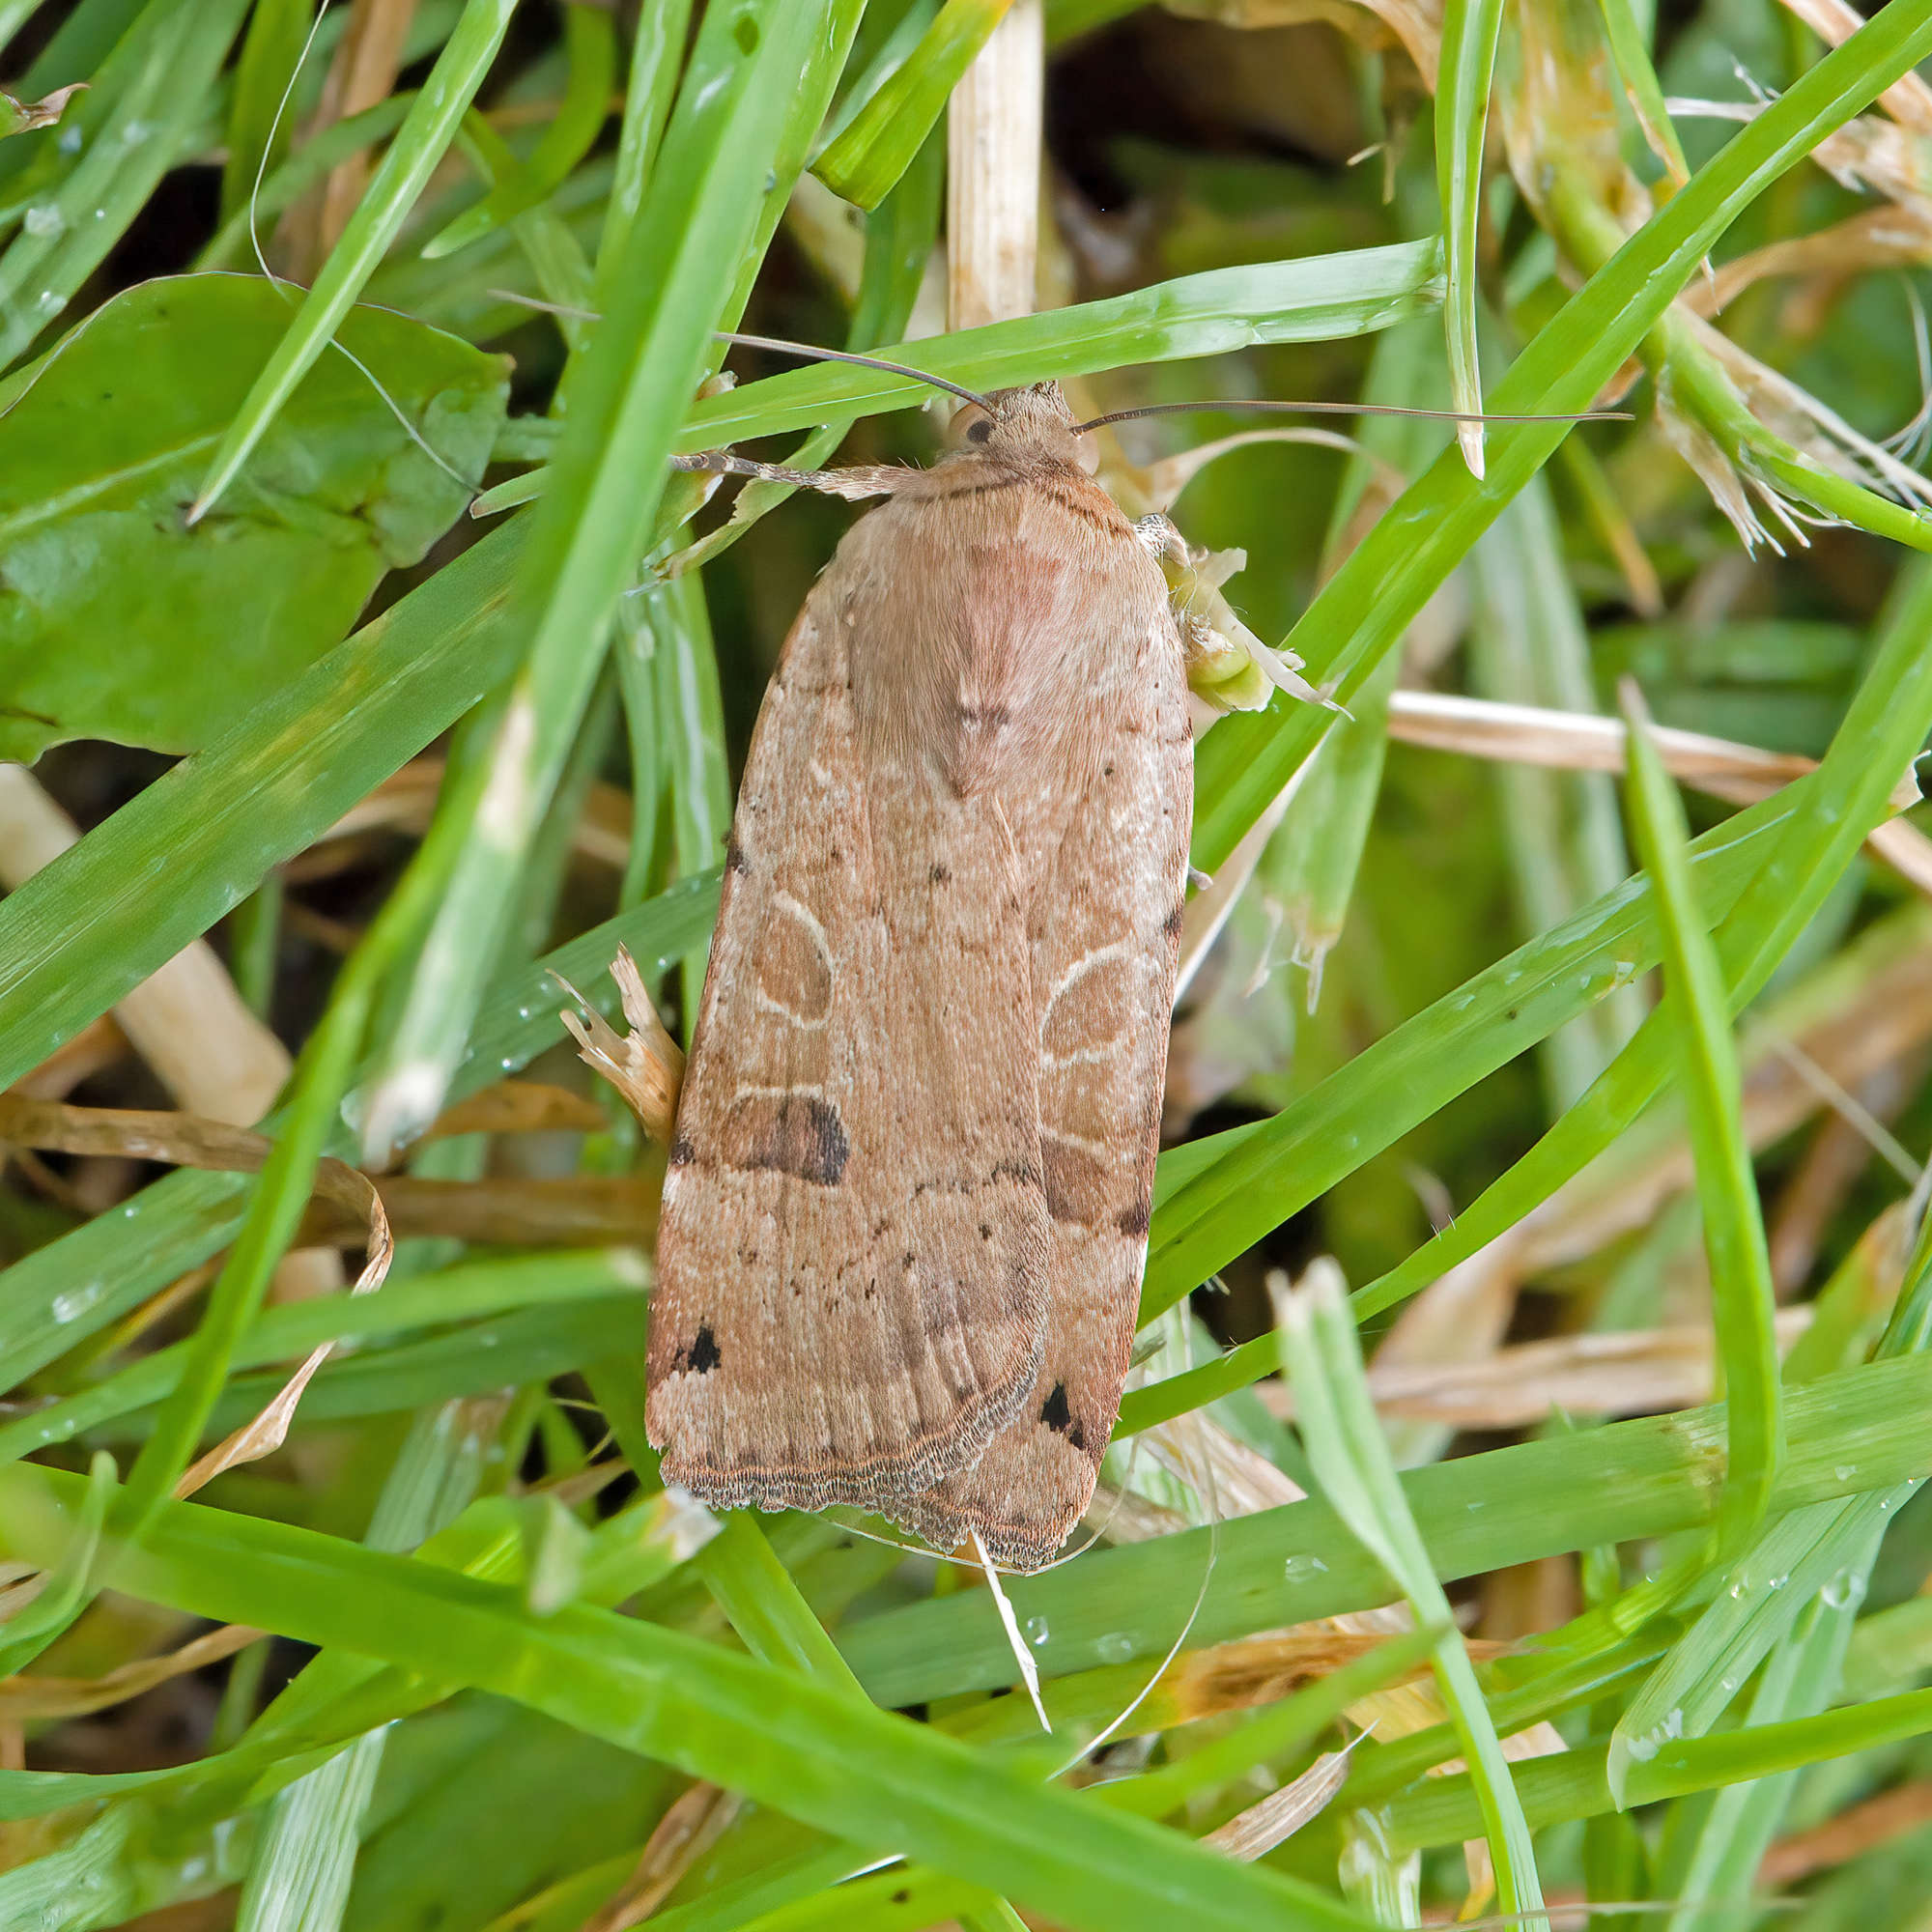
{"x": 367, "y": 59}
{"x": 512, "y": 1210}
{"x": 1634, "y": 1371}
{"x": 1908, "y": 101}
{"x": 1414, "y": 25}
{"x": 187, "y": 1140}
{"x": 1456, "y": 1322}
{"x": 646, "y": 1066}
{"x": 682, "y": 1834}
{"x": 24, "y": 1698}
{"x": 1235, "y": 1479}
{"x": 185, "y": 1020}
{"x": 1894, "y": 237}
{"x": 182, "y": 1140}
{"x": 405, "y": 801}
{"x": 1582, "y": 741}
{"x": 1853, "y": 1831}
{"x": 992, "y": 174}
{"x": 1261, "y": 1828}
{"x": 520, "y": 1107}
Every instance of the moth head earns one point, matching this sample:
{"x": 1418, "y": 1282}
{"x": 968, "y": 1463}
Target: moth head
{"x": 1028, "y": 425}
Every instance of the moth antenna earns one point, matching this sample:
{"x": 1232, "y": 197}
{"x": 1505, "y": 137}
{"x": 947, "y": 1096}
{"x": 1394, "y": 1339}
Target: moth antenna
{"x": 866, "y": 479}
{"x": 858, "y": 362}
{"x": 568, "y": 310}
{"x": 1173, "y": 1649}
{"x": 1349, "y": 410}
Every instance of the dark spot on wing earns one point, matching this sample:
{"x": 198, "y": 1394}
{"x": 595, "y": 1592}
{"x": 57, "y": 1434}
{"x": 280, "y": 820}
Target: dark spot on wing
{"x": 682, "y": 1153}
{"x": 702, "y": 1356}
{"x": 1133, "y": 1221}
{"x": 1171, "y": 925}
{"x": 794, "y": 1133}
{"x": 734, "y": 857}
{"x": 939, "y": 875}
{"x": 1054, "y": 1411}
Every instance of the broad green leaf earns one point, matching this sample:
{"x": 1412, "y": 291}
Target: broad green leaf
{"x": 124, "y": 622}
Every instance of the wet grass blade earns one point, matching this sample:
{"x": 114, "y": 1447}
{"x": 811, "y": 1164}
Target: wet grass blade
{"x": 1371, "y": 600}
{"x": 786, "y": 1741}
{"x": 1351, "y": 1461}
{"x": 1697, "y": 1011}
{"x": 420, "y": 143}
{"x": 1469, "y": 32}
{"x": 864, "y": 163}
{"x": 623, "y": 400}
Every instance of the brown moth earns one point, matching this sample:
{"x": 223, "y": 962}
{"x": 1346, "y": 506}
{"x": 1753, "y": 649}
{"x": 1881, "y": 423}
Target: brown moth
{"x": 905, "y": 1218}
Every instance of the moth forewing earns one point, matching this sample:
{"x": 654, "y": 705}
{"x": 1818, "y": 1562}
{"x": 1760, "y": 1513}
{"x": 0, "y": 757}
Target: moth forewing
{"x": 906, "y": 1212}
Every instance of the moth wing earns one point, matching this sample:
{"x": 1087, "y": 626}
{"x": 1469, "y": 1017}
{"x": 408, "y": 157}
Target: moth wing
{"x": 851, "y": 1260}
{"x": 1107, "y": 935}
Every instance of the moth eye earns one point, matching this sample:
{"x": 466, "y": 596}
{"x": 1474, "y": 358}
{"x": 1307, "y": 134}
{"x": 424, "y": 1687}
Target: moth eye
{"x": 971, "y": 424}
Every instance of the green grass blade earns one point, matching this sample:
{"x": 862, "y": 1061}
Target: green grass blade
{"x": 622, "y": 402}
{"x": 420, "y": 143}
{"x": 1646, "y": 94}
{"x": 1528, "y": 645}
{"x": 468, "y": 1292}
{"x": 68, "y": 1290}
{"x": 590, "y": 40}
{"x": 656, "y": 49}
{"x": 1351, "y": 1461}
{"x": 869, "y": 157}
{"x": 1248, "y": 1179}
{"x": 301, "y": 1864}
{"x": 1469, "y": 33}
{"x": 78, "y": 935}
{"x": 786, "y": 1741}
{"x": 275, "y": 1212}
{"x": 1883, "y": 730}
{"x": 259, "y": 133}
{"x": 1371, "y": 600}
{"x": 758, "y": 1593}
{"x": 165, "y": 70}
{"x": 1313, "y": 298}
{"x": 1734, "y": 1240}
{"x": 1848, "y": 1434}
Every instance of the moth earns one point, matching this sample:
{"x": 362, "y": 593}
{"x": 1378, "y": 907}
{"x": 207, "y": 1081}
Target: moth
{"x": 906, "y": 1210}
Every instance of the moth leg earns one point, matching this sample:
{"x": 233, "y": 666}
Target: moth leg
{"x": 866, "y": 479}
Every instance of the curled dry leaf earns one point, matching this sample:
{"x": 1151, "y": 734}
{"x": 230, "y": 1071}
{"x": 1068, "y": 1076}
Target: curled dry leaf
{"x": 186, "y": 1139}
{"x": 22, "y": 117}
{"x": 268, "y": 1430}
{"x": 646, "y": 1066}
